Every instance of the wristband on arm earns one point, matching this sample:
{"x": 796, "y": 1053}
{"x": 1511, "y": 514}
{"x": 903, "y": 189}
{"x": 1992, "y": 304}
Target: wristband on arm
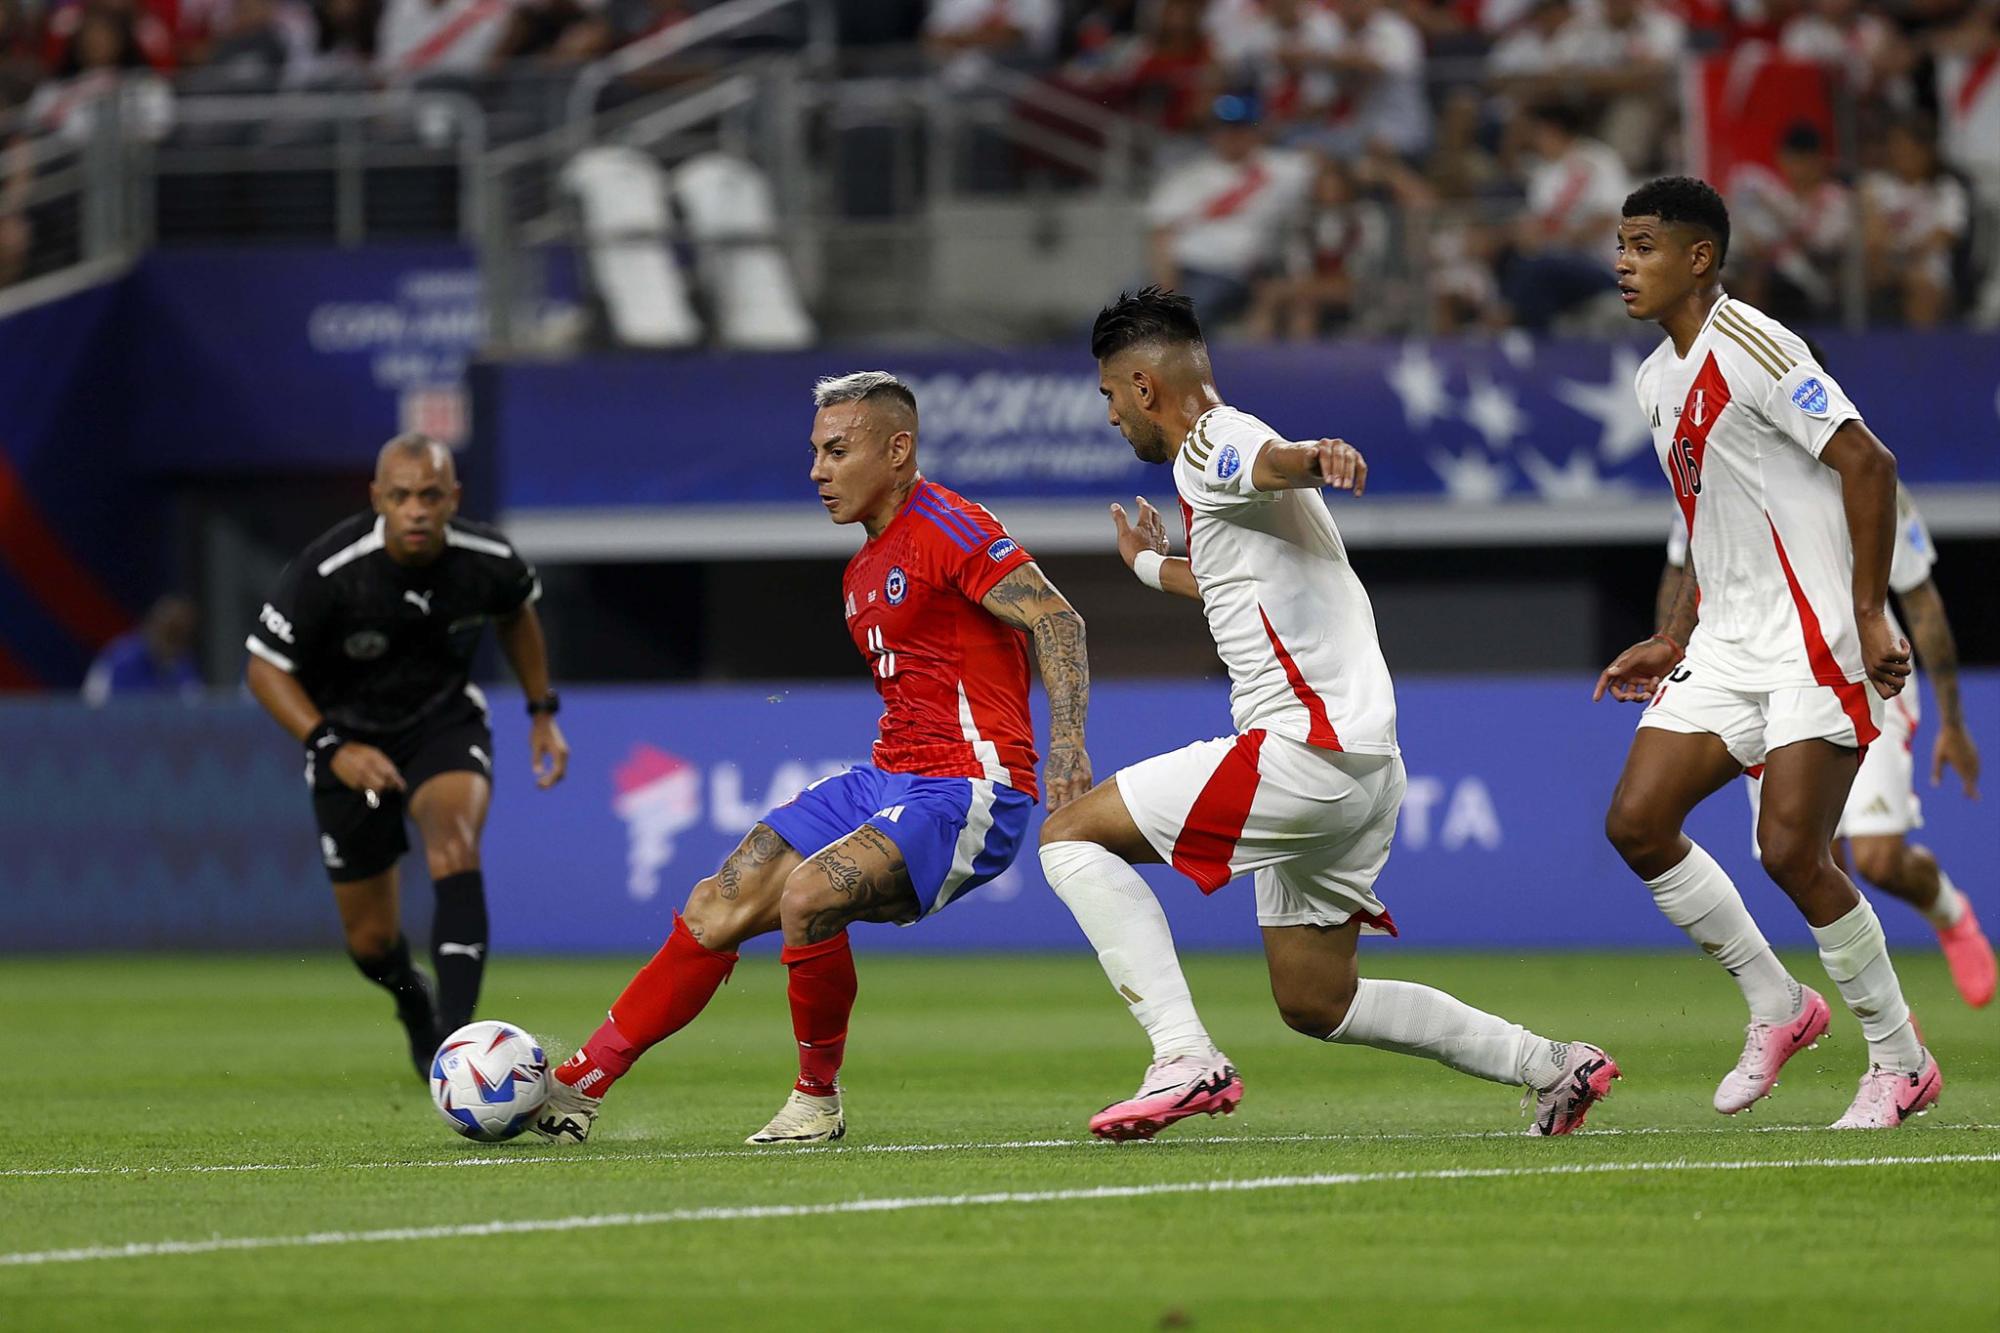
{"x": 1146, "y": 565}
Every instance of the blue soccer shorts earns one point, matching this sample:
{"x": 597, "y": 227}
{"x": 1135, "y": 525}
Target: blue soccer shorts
{"x": 954, "y": 833}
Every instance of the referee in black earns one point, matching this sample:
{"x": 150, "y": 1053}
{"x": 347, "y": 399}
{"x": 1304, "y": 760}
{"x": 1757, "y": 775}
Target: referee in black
{"x": 363, "y": 654}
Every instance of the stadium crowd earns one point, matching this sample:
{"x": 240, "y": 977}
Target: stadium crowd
{"x": 1304, "y": 145}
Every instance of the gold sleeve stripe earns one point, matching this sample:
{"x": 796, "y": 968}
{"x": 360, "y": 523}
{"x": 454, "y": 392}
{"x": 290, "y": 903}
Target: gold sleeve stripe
{"x": 1757, "y": 354}
{"x": 1759, "y": 344}
{"x": 1198, "y": 446}
{"x": 1761, "y": 336}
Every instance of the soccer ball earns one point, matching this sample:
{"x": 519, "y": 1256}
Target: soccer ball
{"x": 489, "y": 1079}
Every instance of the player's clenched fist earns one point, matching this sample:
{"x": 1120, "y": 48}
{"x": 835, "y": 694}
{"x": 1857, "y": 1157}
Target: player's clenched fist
{"x": 1635, "y": 673}
{"x": 1886, "y": 657}
{"x": 1340, "y": 465}
{"x": 365, "y": 768}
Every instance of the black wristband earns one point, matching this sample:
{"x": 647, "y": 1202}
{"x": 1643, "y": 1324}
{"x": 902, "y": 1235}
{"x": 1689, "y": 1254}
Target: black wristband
{"x": 324, "y": 739}
{"x": 549, "y": 704}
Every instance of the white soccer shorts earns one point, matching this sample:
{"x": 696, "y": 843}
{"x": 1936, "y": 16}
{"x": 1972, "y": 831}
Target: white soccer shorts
{"x": 1313, "y": 826}
{"x": 1752, "y": 723}
{"x": 1883, "y": 801}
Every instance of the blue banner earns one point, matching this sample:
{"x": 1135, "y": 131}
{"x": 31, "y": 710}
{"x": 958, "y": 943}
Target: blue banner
{"x": 1469, "y": 421}
{"x": 155, "y": 826}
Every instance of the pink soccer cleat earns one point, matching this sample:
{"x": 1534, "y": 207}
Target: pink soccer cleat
{"x": 1970, "y": 958}
{"x": 1173, "y": 1089}
{"x": 1888, "y": 1097}
{"x": 1765, "y": 1050}
{"x": 1585, "y": 1081}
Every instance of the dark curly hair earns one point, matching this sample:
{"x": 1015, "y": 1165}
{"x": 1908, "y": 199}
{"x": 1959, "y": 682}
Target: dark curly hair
{"x": 1686, "y": 200}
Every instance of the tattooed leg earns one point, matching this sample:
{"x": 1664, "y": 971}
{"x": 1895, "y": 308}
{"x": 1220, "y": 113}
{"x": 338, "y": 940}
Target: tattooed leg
{"x": 740, "y": 899}
{"x": 860, "y": 878}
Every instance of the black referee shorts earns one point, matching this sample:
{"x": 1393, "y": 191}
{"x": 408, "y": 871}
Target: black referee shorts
{"x": 357, "y": 841}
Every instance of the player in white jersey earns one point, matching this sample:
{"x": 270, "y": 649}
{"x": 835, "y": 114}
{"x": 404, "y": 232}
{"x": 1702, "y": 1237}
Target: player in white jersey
{"x": 1882, "y": 807}
{"x": 1790, "y": 503}
{"x": 1303, "y": 796}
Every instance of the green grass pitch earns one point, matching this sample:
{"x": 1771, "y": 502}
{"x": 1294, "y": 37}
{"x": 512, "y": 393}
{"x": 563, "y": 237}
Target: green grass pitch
{"x": 1370, "y": 1191}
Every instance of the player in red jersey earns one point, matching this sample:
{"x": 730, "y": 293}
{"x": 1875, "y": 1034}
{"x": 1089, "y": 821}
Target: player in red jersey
{"x": 941, "y": 602}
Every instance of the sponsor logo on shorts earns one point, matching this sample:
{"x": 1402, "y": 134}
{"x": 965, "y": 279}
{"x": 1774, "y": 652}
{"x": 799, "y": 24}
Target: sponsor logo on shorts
{"x": 276, "y": 623}
{"x": 479, "y": 754}
{"x": 896, "y": 587}
{"x": 420, "y": 600}
{"x": 1228, "y": 462}
{"x": 366, "y": 645}
{"x": 330, "y": 852}
{"x": 1003, "y": 548}
{"x": 1810, "y": 397}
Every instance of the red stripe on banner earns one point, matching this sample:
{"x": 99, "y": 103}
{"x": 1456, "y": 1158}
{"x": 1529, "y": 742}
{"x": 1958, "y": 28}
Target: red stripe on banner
{"x": 1321, "y": 733}
{"x": 1208, "y": 836}
{"x": 1975, "y": 83}
{"x": 1825, "y": 669}
{"x": 65, "y": 589}
{"x": 14, "y": 673}
{"x": 1238, "y": 194}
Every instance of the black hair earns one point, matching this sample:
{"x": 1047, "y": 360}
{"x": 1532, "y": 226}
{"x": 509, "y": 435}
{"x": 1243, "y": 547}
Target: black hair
{"x": 1554, "y": 111}
{"x": 1686, "y": 200}
{"x": 1802, "y": 137}
{"x": 1152, "y": 314}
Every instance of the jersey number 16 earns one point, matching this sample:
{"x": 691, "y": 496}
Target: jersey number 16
{"x": 1686, "y": 467}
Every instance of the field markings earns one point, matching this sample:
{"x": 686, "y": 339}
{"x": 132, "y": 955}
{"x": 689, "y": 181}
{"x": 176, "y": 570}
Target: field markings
{"x": 907, "y": 1203}
{"x": 560, "y": 1157}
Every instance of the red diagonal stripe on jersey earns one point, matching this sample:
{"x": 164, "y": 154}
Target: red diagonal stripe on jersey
{"x": 1215, "y": 821}
{"x": 66, "y": 590}
{"x": 1238, "y": 194}
{"x": 1976, "y": 79}
{"x": 1825, "y": 669}
{"x": 1320, "y": 733}
{"x": 1706, "y": 398}
{"x": 433, "y": 48}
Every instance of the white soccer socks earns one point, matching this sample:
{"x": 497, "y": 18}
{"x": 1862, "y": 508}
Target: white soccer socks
{"x": 1124, "y": 923}
{"x": 1857, "y": 958}
{"x": 1409, "y": 1019}
{"x": 1698, "y": 896}
{"x": 1948, "y": 908}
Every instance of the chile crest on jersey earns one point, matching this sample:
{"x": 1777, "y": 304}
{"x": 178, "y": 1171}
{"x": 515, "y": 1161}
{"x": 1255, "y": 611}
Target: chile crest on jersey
{"x": 896, "y": 586}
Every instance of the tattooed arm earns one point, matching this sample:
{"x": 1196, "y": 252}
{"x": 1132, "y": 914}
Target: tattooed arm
{"x": 1027, "y": 600}
{"x": 1936, "y": 649}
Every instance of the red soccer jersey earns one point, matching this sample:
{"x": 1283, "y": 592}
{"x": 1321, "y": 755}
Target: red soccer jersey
{"x": 953, "y": 680}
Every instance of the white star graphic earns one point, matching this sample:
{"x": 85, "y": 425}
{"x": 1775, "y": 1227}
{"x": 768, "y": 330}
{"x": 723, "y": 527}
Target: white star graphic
{"x": 1471, "y": 478}
{"x": 1419, "y": 384}
{"x": 1577, "y": 479}
{"x": 1491, "y": 410}
{"x": 1622, "y": 432}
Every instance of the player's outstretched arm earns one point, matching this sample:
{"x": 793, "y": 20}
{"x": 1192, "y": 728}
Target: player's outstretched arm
{"x": 1027, "y": 600}
{"x": 1309, "y": 465}
{"x": 1868, "y": 491}
{"x": 1148, "y": 538}
{"x": 362, "y": 767}
{"x": 527, "y": 652}
{"x": 1923, "y": 611}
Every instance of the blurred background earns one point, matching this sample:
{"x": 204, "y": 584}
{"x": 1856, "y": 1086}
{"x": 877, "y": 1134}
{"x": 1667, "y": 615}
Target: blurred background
{"x": 603, "y": 247}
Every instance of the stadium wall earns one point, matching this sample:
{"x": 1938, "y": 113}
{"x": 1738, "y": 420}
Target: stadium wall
{"x": 149, "y": 826}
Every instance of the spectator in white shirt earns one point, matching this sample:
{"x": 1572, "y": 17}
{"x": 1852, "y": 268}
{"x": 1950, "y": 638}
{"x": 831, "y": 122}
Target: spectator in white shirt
{"x": 1913, "y": 218}
{"x": 1622, "y": 55}
{"x": 955, "y": 30}
{"x": 1562, "y": 245}
{"x": 1380, "y": 64}
{"x": 1284, "y": 48}
{"x": 423, "y": 37}
{"x": 1790, "y": 230}
{"x": 1220, "y": 221}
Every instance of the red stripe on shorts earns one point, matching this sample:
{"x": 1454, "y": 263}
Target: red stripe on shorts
{"x": 1853, "y": 699}
{"x": 1208, "y": 835}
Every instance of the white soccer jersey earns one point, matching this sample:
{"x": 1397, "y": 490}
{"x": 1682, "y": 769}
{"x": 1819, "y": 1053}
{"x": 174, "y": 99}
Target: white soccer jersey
{"x": 1739, "y": 423}
{"x": 1290, "y": 620}
{"x": 1910, "y": 559}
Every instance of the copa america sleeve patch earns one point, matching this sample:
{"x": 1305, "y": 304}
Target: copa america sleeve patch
{"x": 1003, "y": 548}
{"x": 1810, "y": 397}
{"x": 1228, "y": 462}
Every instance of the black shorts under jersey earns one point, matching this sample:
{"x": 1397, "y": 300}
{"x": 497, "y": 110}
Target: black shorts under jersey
{"x": 358, "y": 841}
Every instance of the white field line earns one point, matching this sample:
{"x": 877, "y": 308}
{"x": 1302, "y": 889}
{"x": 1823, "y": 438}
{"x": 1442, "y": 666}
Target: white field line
{"x": 563, "y": 1157}
{"x": 760, "y": 1212}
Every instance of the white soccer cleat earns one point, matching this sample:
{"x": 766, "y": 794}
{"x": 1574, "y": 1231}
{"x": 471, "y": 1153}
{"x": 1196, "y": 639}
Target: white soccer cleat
{"x": 804, "y": 1118}
{"x": 568, "y": 1114}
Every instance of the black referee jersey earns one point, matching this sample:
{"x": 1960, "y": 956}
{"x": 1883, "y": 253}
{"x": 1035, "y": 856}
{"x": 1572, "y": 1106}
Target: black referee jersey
{"x": 379, "y": 647}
